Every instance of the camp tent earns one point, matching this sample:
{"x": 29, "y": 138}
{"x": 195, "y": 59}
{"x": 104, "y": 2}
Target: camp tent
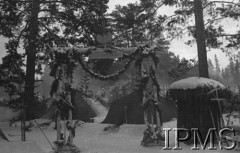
{"x": 128, "y": 110}
{"x": 82, "y": 110}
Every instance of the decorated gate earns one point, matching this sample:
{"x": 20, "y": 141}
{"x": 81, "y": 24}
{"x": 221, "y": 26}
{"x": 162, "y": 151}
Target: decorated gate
{"x": 63, "y": 60}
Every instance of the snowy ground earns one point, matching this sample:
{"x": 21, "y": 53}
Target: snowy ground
{"x": 91, "y": 138}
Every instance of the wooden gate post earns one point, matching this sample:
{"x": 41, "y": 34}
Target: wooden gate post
{"x": 150, "y": 94}
{"x": 58, "y": 126}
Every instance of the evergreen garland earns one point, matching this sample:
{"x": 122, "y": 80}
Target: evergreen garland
{"x": 72, "y": 56}
{"x": 105, "y": 77}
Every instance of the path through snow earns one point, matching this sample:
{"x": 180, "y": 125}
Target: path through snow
{"x": 98, "y": 108}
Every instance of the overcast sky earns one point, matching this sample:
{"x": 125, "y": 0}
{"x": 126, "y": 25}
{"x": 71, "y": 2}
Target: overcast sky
{"x": 177, "y": 45}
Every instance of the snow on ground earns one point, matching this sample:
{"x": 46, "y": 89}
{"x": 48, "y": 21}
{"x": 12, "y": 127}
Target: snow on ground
{"x": 16, "y": 147}
{"x": 234, "y": 119}
{"x": 91, "y": 138}
{"x": 194, "y": 82}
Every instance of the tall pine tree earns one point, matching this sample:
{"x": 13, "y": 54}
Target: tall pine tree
{"x": 201, "y": 39}
{"x": 208, "y": 32}
{"x": 34, "y": 24}
{"x": 137, "y": 23}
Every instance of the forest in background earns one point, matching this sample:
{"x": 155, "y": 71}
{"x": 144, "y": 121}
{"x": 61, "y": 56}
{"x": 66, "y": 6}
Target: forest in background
{"x": 36, "y": 25}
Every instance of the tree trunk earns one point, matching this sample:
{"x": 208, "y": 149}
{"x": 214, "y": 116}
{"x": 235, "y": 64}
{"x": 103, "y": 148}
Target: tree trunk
{"x": 200, "y": 36}
{"x": 31, "y": 59}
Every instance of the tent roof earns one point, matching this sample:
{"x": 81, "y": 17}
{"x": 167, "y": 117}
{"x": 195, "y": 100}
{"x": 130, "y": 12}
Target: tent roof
{"x": 195, "y": 82}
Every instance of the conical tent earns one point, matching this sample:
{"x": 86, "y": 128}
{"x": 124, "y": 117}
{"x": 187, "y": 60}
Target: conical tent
{"x": 129, "y": 110}
{"x": 195, "y": 106}
{"x": 3, "y": 136}
{"x": 81, "y": 111}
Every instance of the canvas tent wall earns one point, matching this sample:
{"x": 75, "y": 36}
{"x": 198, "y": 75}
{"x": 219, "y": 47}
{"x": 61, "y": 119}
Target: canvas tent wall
{"x": 82, "y": 109}
{"x": 128, "y": 109}
{"x": 7, "y": 113}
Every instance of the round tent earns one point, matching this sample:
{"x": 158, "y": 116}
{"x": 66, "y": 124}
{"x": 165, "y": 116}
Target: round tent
{"x": 197, "y": 106}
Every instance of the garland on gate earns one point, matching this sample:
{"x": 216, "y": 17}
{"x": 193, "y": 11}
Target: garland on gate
{"x": 72, "y": 56}
{"x": 130, "y": 57}
{"x": 105, "y": 77}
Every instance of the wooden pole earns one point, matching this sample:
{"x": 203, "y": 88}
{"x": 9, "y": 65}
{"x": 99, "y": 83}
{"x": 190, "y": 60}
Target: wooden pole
{"x": 214, "y": 125}
{"x": 125, "y": 114}
{"x": 145, "y": 118}
{"x": 70, "y": 141}
{"x": 58, "y": 126}
{"x": 239, "y": 116}
{"x": 22, "y": 110}
{"x": 158, "y": 120}
{"x": 64, "y": 131}
{"x": 159, "y": 124}
{"x": 152, "y": 120}
{"x": 220, "y": 110}
{"x": 23, "y": 118}
{"x": 22, "y": 137}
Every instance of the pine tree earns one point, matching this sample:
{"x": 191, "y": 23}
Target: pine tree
{"x": 86, "y": 93}
{"x": 210, "y": 64}
{"x": 137, "y": 23}
{"x": 231, "y": 69}
{"x": 84, "y": 86}
{"x": 207, "y": 34}
{"x": 36, "y": 23}
{"x": 227, "y": 77}
{"x": 217, "y": 66}
{"x": 200, "y": 37}
{"x": 11, "y": 72}
{"x": 231, "y": 66}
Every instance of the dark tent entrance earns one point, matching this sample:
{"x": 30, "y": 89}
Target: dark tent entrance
{"x": 83, "y": 111}
{"x": 129, "y": 110}
{"x": 126, "y": 110}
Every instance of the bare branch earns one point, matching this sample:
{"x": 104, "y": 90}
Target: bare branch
{"x": 46, "y": 2}
{"x": 48, "y": 17}
{"x": 211, "y": 21}
{"x": 179, "y": 33}
{"x": 228, "y": 35}
{"x": 19, "y": 37}
{"x": 157, "y": 8}
{"x": 50, "y": 31}
{"x": 171, "y": 16}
